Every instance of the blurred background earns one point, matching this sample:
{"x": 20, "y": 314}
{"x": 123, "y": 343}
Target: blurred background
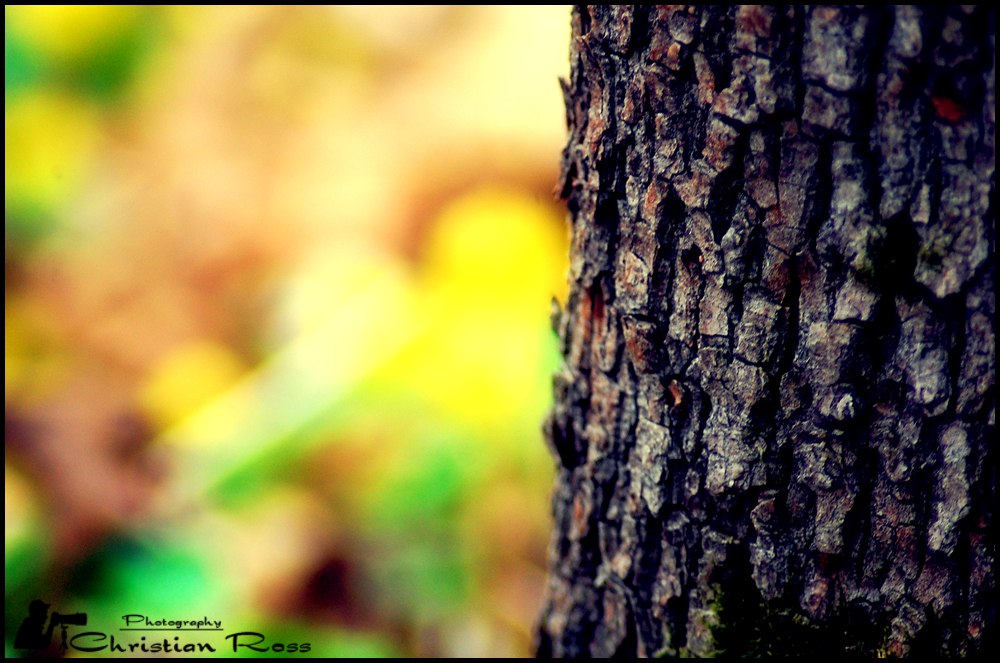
{"x": 276, "y": 341}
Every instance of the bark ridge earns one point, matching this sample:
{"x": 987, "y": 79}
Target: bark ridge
{"x": 774, "y": 422}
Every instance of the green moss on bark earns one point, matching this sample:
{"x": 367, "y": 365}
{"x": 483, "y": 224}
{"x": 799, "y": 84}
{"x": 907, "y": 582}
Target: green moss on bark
{"x": 751, "y": 628}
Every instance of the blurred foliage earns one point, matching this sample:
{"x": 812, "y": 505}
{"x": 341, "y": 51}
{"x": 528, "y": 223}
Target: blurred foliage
{"x": 276, "y": 319}
{"x": 62, "y": 63}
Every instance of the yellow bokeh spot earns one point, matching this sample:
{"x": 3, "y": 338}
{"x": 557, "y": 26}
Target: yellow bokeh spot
{"x": 49, "y": 140}
{"x": 20, "y": 507}
{"x": 187, "y": 379}
{"x": 500, "y": 247}
{"x": 71, "y": 32}
{"x": 494, "y": 261}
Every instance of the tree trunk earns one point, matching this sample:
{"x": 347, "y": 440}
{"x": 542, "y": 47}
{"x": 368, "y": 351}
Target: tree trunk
{"x": 774, "y": 424}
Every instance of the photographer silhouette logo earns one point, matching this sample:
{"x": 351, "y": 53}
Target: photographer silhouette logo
{"x": 33, "y": 635}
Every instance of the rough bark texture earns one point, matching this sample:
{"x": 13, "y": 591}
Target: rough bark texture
{"x": 774, "y": 425}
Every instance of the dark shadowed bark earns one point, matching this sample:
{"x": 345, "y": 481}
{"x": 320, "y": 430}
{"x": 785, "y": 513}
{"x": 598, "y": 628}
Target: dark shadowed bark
{"x": 774, "y": 425}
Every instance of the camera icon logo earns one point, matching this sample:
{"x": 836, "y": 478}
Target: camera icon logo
{"x": 33, "y": 634}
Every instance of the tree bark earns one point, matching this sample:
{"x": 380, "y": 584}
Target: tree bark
{"x": 774, "y": 423}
